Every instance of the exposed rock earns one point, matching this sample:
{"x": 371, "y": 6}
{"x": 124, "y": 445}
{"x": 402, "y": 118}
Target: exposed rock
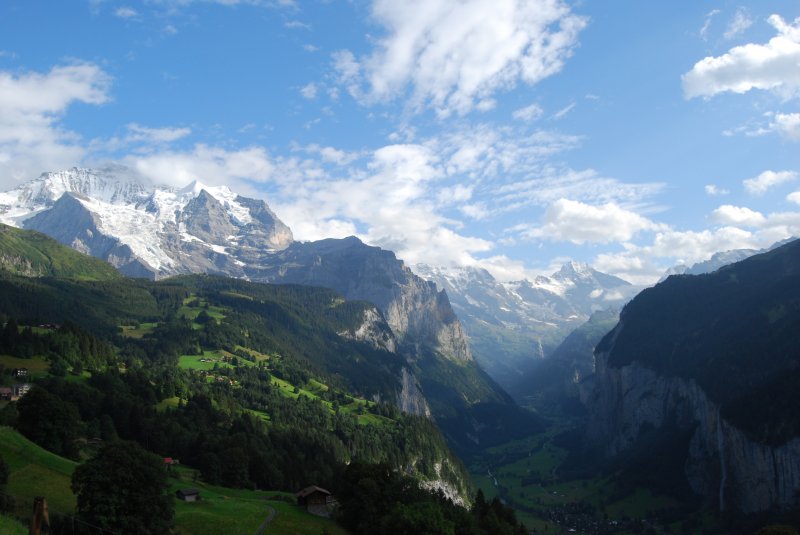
{"x": 722, "y": 461}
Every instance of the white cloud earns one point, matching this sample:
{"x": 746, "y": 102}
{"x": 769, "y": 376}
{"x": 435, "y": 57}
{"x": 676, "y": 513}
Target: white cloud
{"x": 206, "y": 164}
{"x": 707, "y": 23}
{"x": 563, "y": 111}
{"x": 794, "y": 197}
{"x": 714, "y": 190}
{"x": 143, "y": 134}
{"x": 32, "y": 104}
{"x": 737, "y": 216}
{"x": 774, "y": 66}
{"x": 125, "y": 12}
{"x": 452, "y": 55}
{"x": 308, "y": 47}
{"x": 579, "y": 223}
{"x": 787, "y": 124}
{"x": 309, "y": 91}
{"x": 768, "y": 179}
{"x": 549, "y": 185}
{"x": 740, "y": 22}
{"x": 297, "y": 25}
{"x": 389, "y": 202}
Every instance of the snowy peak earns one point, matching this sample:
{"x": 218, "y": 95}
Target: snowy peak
{"x": 572, "y": 270}
{"x": 114, "y": 185}
{"x": 158, "y": 230}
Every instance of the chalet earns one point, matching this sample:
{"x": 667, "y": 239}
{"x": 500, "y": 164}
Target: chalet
{"x": 188, "y": 495}
{"x": 314, "y": 495}
{"x": 5, "y": 393}
{"x": 317, "y": 501}
{"x": 19, "y": 373}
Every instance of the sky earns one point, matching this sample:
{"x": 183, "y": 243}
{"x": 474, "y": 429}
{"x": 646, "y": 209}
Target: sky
{"x": 512, "y": 135}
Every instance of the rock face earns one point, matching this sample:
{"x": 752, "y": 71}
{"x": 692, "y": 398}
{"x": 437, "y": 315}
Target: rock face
{"x": 722, "y": 463}
{"x": 513, "y": 326}
{"x": 419, "y": 315}
{"x": 716, "y": 356}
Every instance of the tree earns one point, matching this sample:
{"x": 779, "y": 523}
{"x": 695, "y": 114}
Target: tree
{"x": 49, "y": 421}
{"x": 123, "y": 489}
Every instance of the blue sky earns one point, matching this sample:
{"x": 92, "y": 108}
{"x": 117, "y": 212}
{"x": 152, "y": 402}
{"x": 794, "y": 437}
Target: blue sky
{"x": 507, "y": 134}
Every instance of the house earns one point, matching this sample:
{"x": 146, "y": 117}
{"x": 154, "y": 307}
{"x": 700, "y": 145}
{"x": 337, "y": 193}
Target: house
{"x": 169, "y": 461}
{"x": 19, "y": 373}
{"x": 19, "y": 390}
{"x": 188, "y": 495}
{"x": 314, "y": 495}
{"x": 5, "y": 393}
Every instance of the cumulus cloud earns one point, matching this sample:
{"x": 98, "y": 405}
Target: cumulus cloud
{"x": 768, "y": 179}
{"x": 453, "y": 55}
{"x": 773, "y": 66}
{"x": 389, "y": 200}
{"x": 577, "y": 222}
{"x": 787, "y": 124}
{"x": 738, "y": 216}
{"x": 32, "y": 104}
{"x": 794, "y": 197}
{"x": 206, "y": 164}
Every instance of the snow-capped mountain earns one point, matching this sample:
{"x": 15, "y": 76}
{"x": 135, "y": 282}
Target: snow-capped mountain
{"x": 511, "y": 325}
{"x": 146, "y": 230}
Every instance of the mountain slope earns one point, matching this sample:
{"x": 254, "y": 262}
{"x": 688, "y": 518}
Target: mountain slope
{"x": 716, "y": 355}
{"x": 33, "y": 254}
{"x": 512, "y": 326}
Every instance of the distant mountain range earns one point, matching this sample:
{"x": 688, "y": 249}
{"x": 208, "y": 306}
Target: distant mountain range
{"x": 511, "y": 326}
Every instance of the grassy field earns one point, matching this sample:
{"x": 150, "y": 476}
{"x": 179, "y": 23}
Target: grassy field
{"x": 37, "y": 366}
{"x": 132, "y": 331}
{"x": 209, "y": 359}
{"x": 36, "y": 472}
{"x": 9, "y": 526}
{"x": 223, "y": 510}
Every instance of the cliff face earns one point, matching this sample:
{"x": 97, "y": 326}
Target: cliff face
{"x": 418, "y": 314}
{"x": 722, "y": 462}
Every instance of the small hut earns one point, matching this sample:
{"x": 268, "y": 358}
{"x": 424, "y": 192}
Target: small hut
{"x": 314, "y": 496}
{"x": 188, "y": 495}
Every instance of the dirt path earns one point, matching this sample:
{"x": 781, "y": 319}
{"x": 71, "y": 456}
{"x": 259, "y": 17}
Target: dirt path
{"x": 270, "y": 515}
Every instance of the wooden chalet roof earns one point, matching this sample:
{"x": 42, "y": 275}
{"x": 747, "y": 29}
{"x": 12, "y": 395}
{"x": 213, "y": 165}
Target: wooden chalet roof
{"x": 311, "y": 490}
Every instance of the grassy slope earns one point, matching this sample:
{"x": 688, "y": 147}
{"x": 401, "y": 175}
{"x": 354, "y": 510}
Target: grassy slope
{"x": 224, "y": 510}
{"x": 26, "y": 252}
{"x": 36, "y": 472}
{"x": 9, "y": 526}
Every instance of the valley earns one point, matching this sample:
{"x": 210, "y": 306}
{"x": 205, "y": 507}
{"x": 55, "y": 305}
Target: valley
{"x": 336, "y": 365}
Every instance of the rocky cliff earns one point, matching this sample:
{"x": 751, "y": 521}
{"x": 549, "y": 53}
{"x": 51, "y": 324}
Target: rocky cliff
{"x": 722, "y": 462}
{"x": 715, "y": 357}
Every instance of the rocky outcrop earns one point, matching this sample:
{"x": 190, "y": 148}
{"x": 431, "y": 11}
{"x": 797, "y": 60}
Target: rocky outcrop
{"x": 722, "y": 462}
{"x": 410, "y": 398}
